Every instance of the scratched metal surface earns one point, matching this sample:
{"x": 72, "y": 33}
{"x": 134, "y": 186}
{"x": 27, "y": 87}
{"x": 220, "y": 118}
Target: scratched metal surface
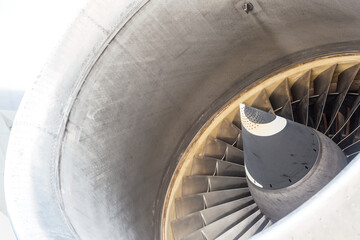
{"x": 333, "y": 213}
{"x": 97, "y": 138}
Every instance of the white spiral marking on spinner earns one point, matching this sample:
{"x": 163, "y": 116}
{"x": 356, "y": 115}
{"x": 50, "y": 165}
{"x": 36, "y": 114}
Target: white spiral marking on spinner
{"x": 248, "y": 175}
{"x": 262, "y": 130}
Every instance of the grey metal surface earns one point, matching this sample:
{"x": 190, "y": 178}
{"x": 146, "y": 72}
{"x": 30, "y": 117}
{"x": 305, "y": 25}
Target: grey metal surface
{"x": 189, "y": 204}
{"x": 204, "y": 166}
{"x": 200, "y": 184}
{"x": 325, "y": 213}
{"x": 193, "y": 203}
{"x": 278, "y": 203}
{"x": 188, "y": 224}
{"x": 343, "y": 85}
{"x": 235, "y": 155}
{"x": 268, "y": 224}
{"x": 215, "y": 148}
{"x": 223, "y": 183}
{"x": 283, "y": 158}
{"x": 262, "y": 102}
{"x": 228, "y": 132}
{"x": 321, "y": 88}
{"x": 240, "y": 228}
{"x": 347, "y": 140}
{"x": 255, "y": 228}
{"x": 215, "y": 213}
{"x": 215, "y": 198}
{"x": 281, "y": 99}
{"x": 198, "y": 235}
{"x": 218, "y": 227}
{"x": 300, "y": 92}
{"x": 230, "y": 169}
{"x": 354, "y": 108}
{"x": 98, "y": 136}
{"x": 195, "y": 184}
{"x": 212, "y": 166}
{"x": 214, "y": 190}
{"x": 239, "y": 142}
{"x": 352, "y": 149}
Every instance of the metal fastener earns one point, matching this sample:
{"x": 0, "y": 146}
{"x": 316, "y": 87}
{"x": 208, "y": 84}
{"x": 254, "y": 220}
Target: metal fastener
{"x": 247, "y": 7}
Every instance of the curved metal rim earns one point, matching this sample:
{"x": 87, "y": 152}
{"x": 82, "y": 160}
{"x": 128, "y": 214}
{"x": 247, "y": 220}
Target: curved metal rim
{"x": 76, "y": 63}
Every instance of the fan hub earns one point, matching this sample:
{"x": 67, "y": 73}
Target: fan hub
{"x": 213, "y": 195}
{"x": 288, "y": 166}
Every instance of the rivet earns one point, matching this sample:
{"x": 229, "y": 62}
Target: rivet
{"x": 247, "y": 7}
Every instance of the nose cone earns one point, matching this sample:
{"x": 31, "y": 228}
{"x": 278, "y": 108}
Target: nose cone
{"x": 278, "y": 152}
{"x": 286, "y": 162}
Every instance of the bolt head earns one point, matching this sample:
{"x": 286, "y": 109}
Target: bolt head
{"x": 247, "y": 7}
